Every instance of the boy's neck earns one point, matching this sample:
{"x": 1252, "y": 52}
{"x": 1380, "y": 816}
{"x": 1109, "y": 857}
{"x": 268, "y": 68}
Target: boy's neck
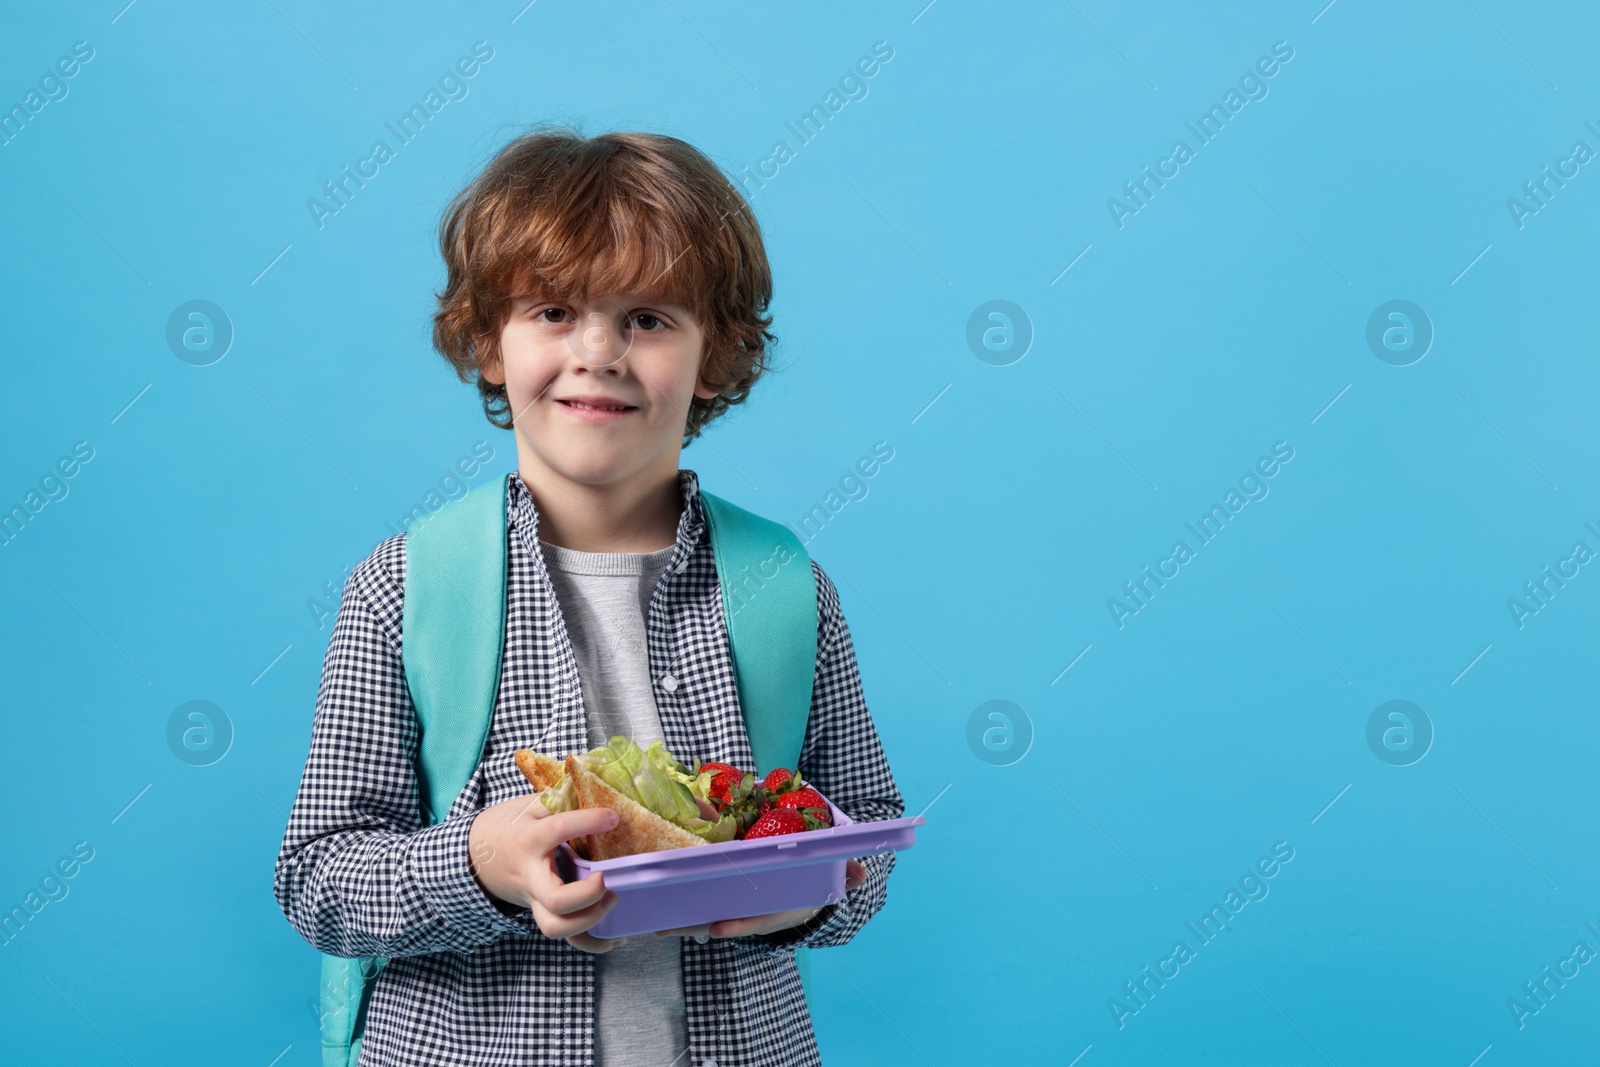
{"x": 639, "y": 514}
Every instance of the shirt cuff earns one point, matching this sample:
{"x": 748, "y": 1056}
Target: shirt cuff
{"x": 819, "y": 928}
{"x": 438, "y": 860}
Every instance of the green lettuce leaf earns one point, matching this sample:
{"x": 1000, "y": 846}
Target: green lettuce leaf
{"x": 713, "y": 832}
{"x": 657, "y": 753}
{"x": 615, "y": 764}
{"x": 559, "y": 797}
{"x": 653, "y": 778}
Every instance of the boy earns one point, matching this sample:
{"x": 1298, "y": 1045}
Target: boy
{"x": 609, "y": 297}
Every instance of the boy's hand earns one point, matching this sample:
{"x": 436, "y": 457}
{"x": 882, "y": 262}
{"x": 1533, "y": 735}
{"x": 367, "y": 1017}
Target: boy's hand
{"x": 512, "y": 847}
{"x": 854, "y": 875}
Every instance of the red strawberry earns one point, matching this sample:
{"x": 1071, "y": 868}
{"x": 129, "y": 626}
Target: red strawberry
{"x": 718, "y": 771}
{"x": 723, "y": 782}
{"x": 806, "y": 799}
{"x": 779, "y": 781}
{"x": 775, "y": 822}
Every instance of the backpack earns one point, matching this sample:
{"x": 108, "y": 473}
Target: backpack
{"x": 453, "y": 619}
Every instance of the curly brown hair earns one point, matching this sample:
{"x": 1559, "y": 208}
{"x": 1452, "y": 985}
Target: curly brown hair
{"x": 568, "y": 216}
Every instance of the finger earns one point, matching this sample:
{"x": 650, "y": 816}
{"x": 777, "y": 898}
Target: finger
{"x": 761, "y": 924}
{"x": 533, "y": 809}
{"x": 565, "y": 898}
{"x": 687, "y": 931}
{"x": 581, "y": 823}
{"x": 590, "y": 943}
{"x": 551, "y": 832}
{"x": 571, "y": 923}
{"x": 854, "y": 874}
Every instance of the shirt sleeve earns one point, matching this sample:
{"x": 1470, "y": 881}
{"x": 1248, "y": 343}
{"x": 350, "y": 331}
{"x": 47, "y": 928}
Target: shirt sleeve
{"x": 360, "y": 873}
{"x": 844, "y": 759}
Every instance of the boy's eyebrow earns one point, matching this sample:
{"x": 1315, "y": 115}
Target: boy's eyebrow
{"x": 657, "y": 299}
{"x": 648, "y": 294}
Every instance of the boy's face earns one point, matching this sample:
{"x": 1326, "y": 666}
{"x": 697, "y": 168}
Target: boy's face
{"x": 628, "y": 351}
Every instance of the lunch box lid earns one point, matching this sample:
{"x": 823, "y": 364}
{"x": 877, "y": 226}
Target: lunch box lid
{"x": 843, "y": 840}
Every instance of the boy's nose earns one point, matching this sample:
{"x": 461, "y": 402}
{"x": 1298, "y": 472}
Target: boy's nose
{"x": 598, "y": 343}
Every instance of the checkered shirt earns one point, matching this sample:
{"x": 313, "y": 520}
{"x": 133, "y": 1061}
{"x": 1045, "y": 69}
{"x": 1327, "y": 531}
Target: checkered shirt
{"x": 471, "y": 980}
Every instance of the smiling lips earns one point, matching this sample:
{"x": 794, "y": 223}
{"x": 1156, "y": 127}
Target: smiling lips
{"x": 595, "y": 408}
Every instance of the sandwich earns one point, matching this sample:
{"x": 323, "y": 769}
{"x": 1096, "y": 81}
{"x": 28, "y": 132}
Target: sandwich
{"x": 660, "y": 804}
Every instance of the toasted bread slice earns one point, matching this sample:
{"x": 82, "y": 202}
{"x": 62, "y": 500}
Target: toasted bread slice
{"x": 638, "y": 830}
{"x": 541, "y": 770}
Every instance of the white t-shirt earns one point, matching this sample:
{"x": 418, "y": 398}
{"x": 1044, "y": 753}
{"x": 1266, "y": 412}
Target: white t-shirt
{"x": 605, "y": 598}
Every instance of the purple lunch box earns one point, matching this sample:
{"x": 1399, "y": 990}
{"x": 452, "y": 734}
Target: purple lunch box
{"x": 704, "y": 883}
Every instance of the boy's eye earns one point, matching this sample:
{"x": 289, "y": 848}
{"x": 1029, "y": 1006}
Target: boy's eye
{"x": 644, "y": 320}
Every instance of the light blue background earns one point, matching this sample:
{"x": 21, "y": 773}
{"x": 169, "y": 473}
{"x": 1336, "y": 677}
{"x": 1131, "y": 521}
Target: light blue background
{"x": 1225, "y": 316}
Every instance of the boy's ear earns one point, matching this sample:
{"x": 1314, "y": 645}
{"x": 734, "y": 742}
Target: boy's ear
{"x": 703, "y": 389}
{"x": 493, "y": 371}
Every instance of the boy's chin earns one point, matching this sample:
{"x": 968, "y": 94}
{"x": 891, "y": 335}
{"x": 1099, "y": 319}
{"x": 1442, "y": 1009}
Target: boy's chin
{"x": 596, "y": 466}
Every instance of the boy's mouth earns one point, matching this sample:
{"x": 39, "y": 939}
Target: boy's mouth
{"x": 596, "y": 408}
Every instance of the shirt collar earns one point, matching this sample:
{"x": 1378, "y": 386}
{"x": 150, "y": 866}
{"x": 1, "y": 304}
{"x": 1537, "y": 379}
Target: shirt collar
{"x": 523, "y": 515}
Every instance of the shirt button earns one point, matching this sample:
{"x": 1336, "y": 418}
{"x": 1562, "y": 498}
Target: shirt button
{"x": 701, "y": 939}
{"x": 669, "y": 683}
{"x": 683, "y": 565}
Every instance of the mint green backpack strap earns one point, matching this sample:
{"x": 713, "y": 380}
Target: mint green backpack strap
{"x": 769, "y": 599}
{"x": 346, "y": 983}
{"x": 453, "y": 629}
